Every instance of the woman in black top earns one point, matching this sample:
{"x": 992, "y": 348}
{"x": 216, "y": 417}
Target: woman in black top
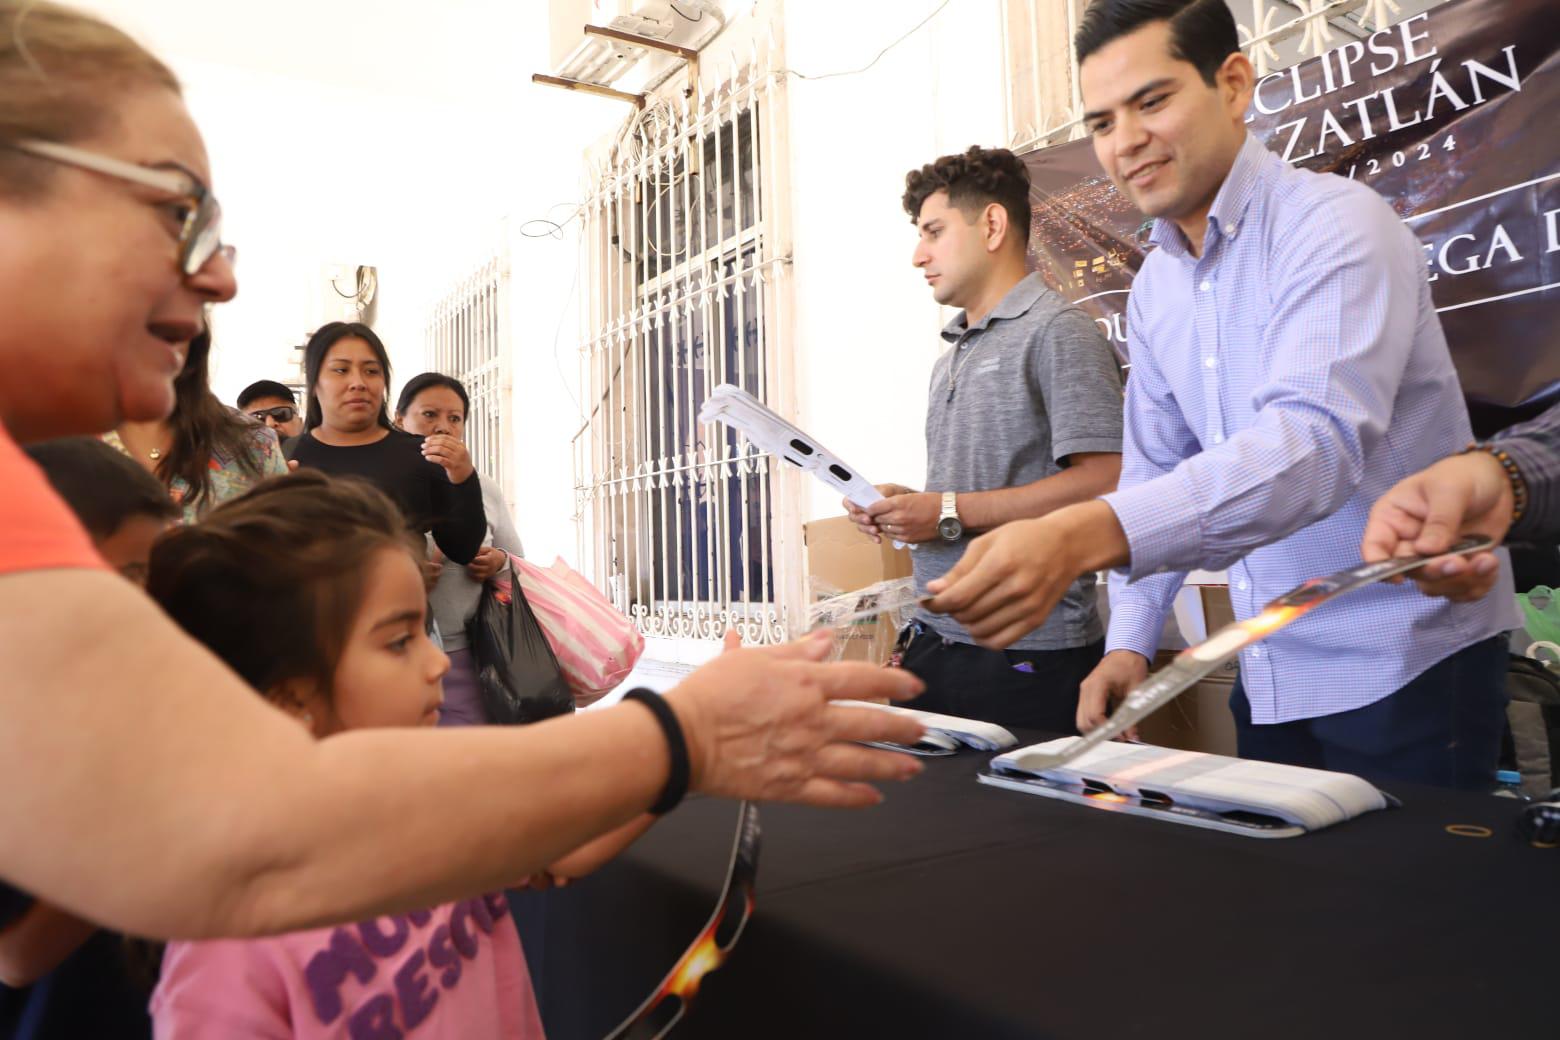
{"x": 347, "y": 432}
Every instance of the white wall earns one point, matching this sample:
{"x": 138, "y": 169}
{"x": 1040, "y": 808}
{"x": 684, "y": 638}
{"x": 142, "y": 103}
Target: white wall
{"x": 549, "y": 282}
{"x": 399, "y": 134}
{"x": 342, "y": 133}
{"x": 866, "y": 325}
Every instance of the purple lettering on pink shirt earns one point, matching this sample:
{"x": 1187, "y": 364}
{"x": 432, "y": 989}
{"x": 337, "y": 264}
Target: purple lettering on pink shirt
{"x": 329, "y": 968}
{"x": 497, "y": 905}
{"x": 375, "y": 1020}
{"x": 460, "y": 935}
{"x": 380, "y": 944}
{"x": 412, "y": 990}
{"x": 442, "y": 955}
{"x": 420, "y": 917}
{"x": 481, "y": 915}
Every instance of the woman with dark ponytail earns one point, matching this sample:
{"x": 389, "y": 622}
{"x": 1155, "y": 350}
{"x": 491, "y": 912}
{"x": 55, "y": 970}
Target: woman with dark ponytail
{"x": 431, "y": 405}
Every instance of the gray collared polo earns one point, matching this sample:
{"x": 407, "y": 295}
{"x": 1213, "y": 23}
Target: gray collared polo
{"x": 1030, "y": 384}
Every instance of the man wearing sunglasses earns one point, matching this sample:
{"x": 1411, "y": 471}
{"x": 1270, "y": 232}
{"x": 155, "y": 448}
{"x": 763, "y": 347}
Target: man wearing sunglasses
{"x": 275, "y": 404}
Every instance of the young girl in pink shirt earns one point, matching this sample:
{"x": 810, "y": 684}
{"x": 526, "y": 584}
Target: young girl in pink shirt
{"x": 308, "y": 588}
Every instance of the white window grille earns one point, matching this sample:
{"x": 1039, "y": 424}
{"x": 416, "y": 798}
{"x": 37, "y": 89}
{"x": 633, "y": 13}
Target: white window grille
{"x": 468, "y": 338}
{"x": 687, "y": 527}
{"x": 1044, "y": 102}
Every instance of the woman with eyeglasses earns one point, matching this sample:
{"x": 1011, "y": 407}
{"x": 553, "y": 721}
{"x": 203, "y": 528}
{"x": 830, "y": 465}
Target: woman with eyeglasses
{"x": 347, "y": 432}
{"x": 146, "y": 788}
{"x": 436, "y": 405}
{"x": 205, "y": 452}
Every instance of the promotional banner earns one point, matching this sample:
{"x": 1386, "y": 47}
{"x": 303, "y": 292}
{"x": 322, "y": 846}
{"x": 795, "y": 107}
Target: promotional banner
{"x": 1452, "y": 115}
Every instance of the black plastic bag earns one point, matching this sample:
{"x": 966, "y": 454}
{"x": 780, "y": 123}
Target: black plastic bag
{"x": 517, "y": 674}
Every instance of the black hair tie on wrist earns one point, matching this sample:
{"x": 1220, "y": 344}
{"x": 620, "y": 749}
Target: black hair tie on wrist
{"x": 676, "y": 746}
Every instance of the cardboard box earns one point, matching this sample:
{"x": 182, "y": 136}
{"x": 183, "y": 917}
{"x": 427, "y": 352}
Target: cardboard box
{"x": 1218, "y": 612}
{"x": 842, "y": 559}
{"x": 1199, "y": 719}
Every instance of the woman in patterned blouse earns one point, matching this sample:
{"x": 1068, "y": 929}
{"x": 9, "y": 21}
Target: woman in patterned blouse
{"x": 205, "y": 452}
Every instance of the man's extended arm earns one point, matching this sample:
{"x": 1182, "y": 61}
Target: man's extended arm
{"x": 1071, "y": 368}
{"x": 1535, "y": 447}
{"x": 1086, "y": 476}
{"x": 1011, "y": 577}
{"x": 1473, "y": 494}
{"x": 1338, "y": 338}
{"x": 911, "y": 516}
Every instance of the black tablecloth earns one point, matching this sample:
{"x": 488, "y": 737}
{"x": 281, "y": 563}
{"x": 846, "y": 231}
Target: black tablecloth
{"x": 960, "y": 910}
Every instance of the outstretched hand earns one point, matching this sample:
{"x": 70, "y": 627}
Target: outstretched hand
{"x": 1425, "y": 513}
{"x": 760, "y": 724}
{"x": 1008, "y": 580}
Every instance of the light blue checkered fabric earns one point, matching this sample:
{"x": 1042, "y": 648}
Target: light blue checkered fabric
{"x": 1280, "y": 383}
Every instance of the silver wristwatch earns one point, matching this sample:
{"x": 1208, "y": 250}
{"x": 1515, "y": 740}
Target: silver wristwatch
{"x": 949, "y": 527}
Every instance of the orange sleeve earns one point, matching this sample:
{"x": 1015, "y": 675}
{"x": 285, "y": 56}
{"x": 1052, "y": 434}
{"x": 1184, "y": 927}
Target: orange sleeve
{"x": 37, "y": 529}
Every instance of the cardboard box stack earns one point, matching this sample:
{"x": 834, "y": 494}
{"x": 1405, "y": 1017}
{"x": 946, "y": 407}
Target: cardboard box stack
{"x": 842, "y": 559}
{"x": 1199, "y": 719}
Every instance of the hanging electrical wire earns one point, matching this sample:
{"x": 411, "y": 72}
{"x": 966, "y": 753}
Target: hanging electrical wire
{"x": 853, "y": 72}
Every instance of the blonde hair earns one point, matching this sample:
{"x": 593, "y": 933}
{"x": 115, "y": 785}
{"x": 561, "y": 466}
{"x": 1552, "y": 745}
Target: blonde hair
{"x": 59, "y": 68}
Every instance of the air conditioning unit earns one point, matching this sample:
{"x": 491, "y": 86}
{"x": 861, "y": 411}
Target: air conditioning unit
{"x": 617, "y": 63}
{"x": 348, "y": 292}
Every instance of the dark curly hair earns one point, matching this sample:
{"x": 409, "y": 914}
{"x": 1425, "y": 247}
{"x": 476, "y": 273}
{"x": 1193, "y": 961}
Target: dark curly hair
{"x": 973, "y": 181}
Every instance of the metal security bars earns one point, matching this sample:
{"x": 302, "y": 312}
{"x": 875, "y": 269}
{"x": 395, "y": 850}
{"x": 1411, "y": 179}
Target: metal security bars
{"x": 1044, "y": 103}
{"x": 688, "y": 528}
{"x": 468, "y": 338}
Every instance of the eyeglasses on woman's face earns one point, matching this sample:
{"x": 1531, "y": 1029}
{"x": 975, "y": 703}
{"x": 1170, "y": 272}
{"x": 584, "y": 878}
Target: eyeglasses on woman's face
{"x": 196, "y": 209}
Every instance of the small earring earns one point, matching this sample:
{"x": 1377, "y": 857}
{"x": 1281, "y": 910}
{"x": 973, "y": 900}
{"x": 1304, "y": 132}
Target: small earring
{"x": 308, "y": 719}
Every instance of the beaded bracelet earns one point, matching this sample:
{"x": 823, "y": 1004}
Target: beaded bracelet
{"x": 1519, "y": 491}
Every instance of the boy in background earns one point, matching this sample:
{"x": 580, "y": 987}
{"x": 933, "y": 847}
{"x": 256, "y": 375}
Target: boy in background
{"x": 121, "y": 505}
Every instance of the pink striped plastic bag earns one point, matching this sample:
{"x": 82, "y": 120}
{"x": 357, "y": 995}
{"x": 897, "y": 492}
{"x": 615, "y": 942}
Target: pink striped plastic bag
{"x": 595, "y": 644}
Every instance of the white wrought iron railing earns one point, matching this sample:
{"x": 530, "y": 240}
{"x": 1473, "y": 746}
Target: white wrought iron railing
{"x": 687, "y": 527}
{"x": 468, "y": 337}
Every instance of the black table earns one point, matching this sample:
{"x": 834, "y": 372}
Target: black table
{"x": 960, "y": 910}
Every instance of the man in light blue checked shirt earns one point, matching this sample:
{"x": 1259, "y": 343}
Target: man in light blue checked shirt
{"x": 1287, "y": 370}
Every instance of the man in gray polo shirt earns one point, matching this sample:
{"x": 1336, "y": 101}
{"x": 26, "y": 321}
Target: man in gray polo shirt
{"x": 1024, "y": 417}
